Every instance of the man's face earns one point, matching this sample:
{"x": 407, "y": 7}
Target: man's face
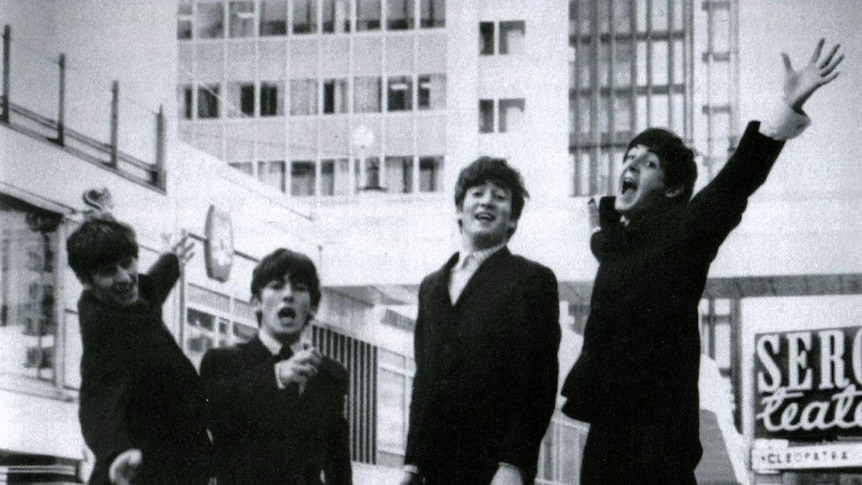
{"x": 116, "y": 283}
{"x": 284, "y": 309}
{"x": 486, "y": 215}
{"x": 642, "y": 187}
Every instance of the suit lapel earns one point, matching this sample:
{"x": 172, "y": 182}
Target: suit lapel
{"x": 485, "y": 272}
{"x": 254, "y": 351}
{"x": 440, "y": 286}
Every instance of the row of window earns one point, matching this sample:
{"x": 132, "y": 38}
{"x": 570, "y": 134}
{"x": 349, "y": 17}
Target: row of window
{"x": 501, "y": 38}
{"x": 206, "y": 20}
{"x": 312, "y": 96}
{"x": 625, "y": 16}
{"x": 397, "y": 175}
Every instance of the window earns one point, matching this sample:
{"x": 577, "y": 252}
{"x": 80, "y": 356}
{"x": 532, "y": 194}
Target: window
{"x": 208, "y": 101}
{"x": 240, "y": 100}
{"x": 29, "y": 330}
{"x": 334, "y": 177}
{"x": 302, "y": 178}
{"x": 486, "y": 116}
{"x": 511, "y": 115}
{"x": 399, "y": 175}
{"x": 215, "y": 320}
{"x": 244, "y": 167}
{"x": 185, "y": 102}
{"x": 432, "y": 13}
{"x": 303, "y": 97}
{"x": 273, "y": 17}
{"x": 394, "y": 382}
{"x": 335, "y": 96}
{"x": 272, "y": 174}
{"x": 184, "y": 20}
{"x": 241, "y": 19}
{"x": 430, "y": 174}
{"x": 512, "y": 37}
{"x": 304, "y": 16}
{"x": 336, "y": 16}
{"x": 367, "y": 94}
{"x": 272, "y": 98}
{"x": 367, "y": 14}
{"x": 432, "y": 92}
{"x": 486, "y": 38}
{"x": 400, "y": 93}
{"x": 400, "y": 14}
{"x": 210, "y": 20}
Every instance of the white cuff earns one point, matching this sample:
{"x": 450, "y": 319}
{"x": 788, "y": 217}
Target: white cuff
{"x": 784, "y": 123}
{"x": 411, "y": 469}
{"x": 278, "y": 382}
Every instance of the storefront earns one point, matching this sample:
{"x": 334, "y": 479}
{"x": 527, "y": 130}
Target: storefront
{"x": 808, "y": 407}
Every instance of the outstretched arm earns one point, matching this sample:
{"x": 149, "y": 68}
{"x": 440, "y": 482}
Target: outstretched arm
{"x": 820, "y": 71}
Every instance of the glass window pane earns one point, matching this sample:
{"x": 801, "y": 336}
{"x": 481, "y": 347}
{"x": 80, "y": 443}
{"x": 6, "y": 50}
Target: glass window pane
{"x": 623, "y": 64}
{"x": 302, "y": 178}
{"x": 399, "y": 175}
{"x": 659, "y": 15}
{"x": 400, "y": 14}
{"x": 241, "y": 19}
{"x": 335, "y": 96}
{"x": 272, "y": 174}
{"x": 430, "y": 174}
{"x": 303, "y": 97}
{"x": 432, "y": 92}
{"x": 240, "y": 98}
{"x": 400, "y": 94}
{"x": 391, "y": 410}
{"x": 272, "y": 98}
{"x": 273, "y": 17}
{"x": 368, "y": 14}
{"x": 184, "y": 102}
{"x": 336, "y": 16}
{"x": 486, "y": 116}
{"x": 304, "y": 16}
{"x": 512, "y": 37}
{"x": 511, "y": 115}
{"x": 184, "y": 20}
{"x": 432, "y": 13}
{"x": 208, "y": 101}
{"x": 244, "y": 167}
{"x": 486, "y": 38}
{"x": 210, "y": 20}
{"x": 660, "y": 60}
{"x": 367, "y": 94}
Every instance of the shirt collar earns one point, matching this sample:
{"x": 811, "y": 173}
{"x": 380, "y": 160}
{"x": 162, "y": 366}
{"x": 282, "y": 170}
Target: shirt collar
{"x": 478, "y": 256}
{"x": 274, "y": 346}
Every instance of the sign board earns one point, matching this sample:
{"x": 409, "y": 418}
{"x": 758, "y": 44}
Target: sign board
{"x": 808, "y": 384}
{"x": 833, "y": 455}
{"x": 218, "y": 248}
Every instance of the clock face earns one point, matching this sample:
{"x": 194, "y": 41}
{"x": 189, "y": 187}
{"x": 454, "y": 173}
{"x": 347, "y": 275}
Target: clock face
{"x": 219, "y": 244}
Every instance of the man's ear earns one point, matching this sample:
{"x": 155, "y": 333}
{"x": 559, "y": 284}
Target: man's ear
{"x": 672, "y": 192}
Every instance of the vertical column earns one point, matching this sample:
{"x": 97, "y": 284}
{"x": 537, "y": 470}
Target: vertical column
{"x": 115, "y": 108}
{"x": 7, "y": 41}
{"x": 61, "y": 108}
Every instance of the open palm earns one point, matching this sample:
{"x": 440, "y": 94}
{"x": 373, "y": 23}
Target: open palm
{"x": 800, "y": 85}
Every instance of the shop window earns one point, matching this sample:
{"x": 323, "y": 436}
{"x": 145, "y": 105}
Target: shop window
{"x": 432, "y": 13}
{"x": 208, "y": 101}
{"x": 400, "y": 14}
{"x": 272, "y": 98}
{"x": 303, "y": 97}
{"x": 432, "y": 92}
{"x": 367, "y": 15}
{"x": 367, "y": 94}
{"x": 273, "y": 17}
{"x": 210, "y": 20}
{"x": 486, "y": 116}
{"x": 184, "y": 20}
{"x": 511, "y": 115}
{"x": 304, "y": 16}
{"x": 272, "y": 174}
{"x": 185, "y": 102}
{"x": 400, "y": 94}
{"x": 512, "y": 37}
{"x": 335, "y": 96}
{"x": 302, "y": 178}
{"x": 430, "y": 174}
{"x": 240, "y": 100}
{"x": 28, "y": 292}
{"x": 241, "y": 19}
{"x": 336, "y": 16}
{"x": 399, "y": 175}
{"x": 486, "y": 38}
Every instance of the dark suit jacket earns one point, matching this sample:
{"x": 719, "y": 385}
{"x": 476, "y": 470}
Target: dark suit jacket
{"x": 486, "y": 371}
{"x": 138, "y": 389}
{"x": 266, "y": 435}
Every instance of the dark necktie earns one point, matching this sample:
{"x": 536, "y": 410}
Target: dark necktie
{"x": 284, "y": 354}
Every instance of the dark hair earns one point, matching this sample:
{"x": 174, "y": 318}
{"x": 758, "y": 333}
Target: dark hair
{"x": 498, "y": 171}
{"x": 676, "y": 159}
{"x": 98, "y": 241}
{"x": 283, "y": 261}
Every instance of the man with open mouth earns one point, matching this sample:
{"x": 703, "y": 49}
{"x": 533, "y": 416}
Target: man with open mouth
{"x": 636, "y": 380}
{"x": 277, "y": 405}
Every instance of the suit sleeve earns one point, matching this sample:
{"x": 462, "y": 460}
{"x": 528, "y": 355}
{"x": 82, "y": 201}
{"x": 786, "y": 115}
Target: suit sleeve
{"x": 718, "y": 208}
{"x": 534, "y": 373}
{"x": 164, "y": 272}
{"x": 337, "y": 468}
{"x": 413, "y": 453}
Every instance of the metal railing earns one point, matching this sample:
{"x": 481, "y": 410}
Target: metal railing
{"x": 87, "y": 118}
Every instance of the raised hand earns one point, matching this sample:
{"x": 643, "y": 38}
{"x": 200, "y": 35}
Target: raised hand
{"x": 125, "y": 467}
{"x": 184, "y": 248}
{"x": 820, "y": 71}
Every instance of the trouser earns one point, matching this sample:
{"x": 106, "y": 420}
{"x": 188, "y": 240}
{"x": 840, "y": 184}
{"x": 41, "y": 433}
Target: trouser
{"x": 642, "y": 454}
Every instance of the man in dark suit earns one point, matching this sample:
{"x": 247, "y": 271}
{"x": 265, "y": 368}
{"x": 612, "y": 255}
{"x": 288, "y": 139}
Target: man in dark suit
{"x": 141, "y": 403}
{"x": 277, "y": 405}
{"x": 486, "y": 342}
